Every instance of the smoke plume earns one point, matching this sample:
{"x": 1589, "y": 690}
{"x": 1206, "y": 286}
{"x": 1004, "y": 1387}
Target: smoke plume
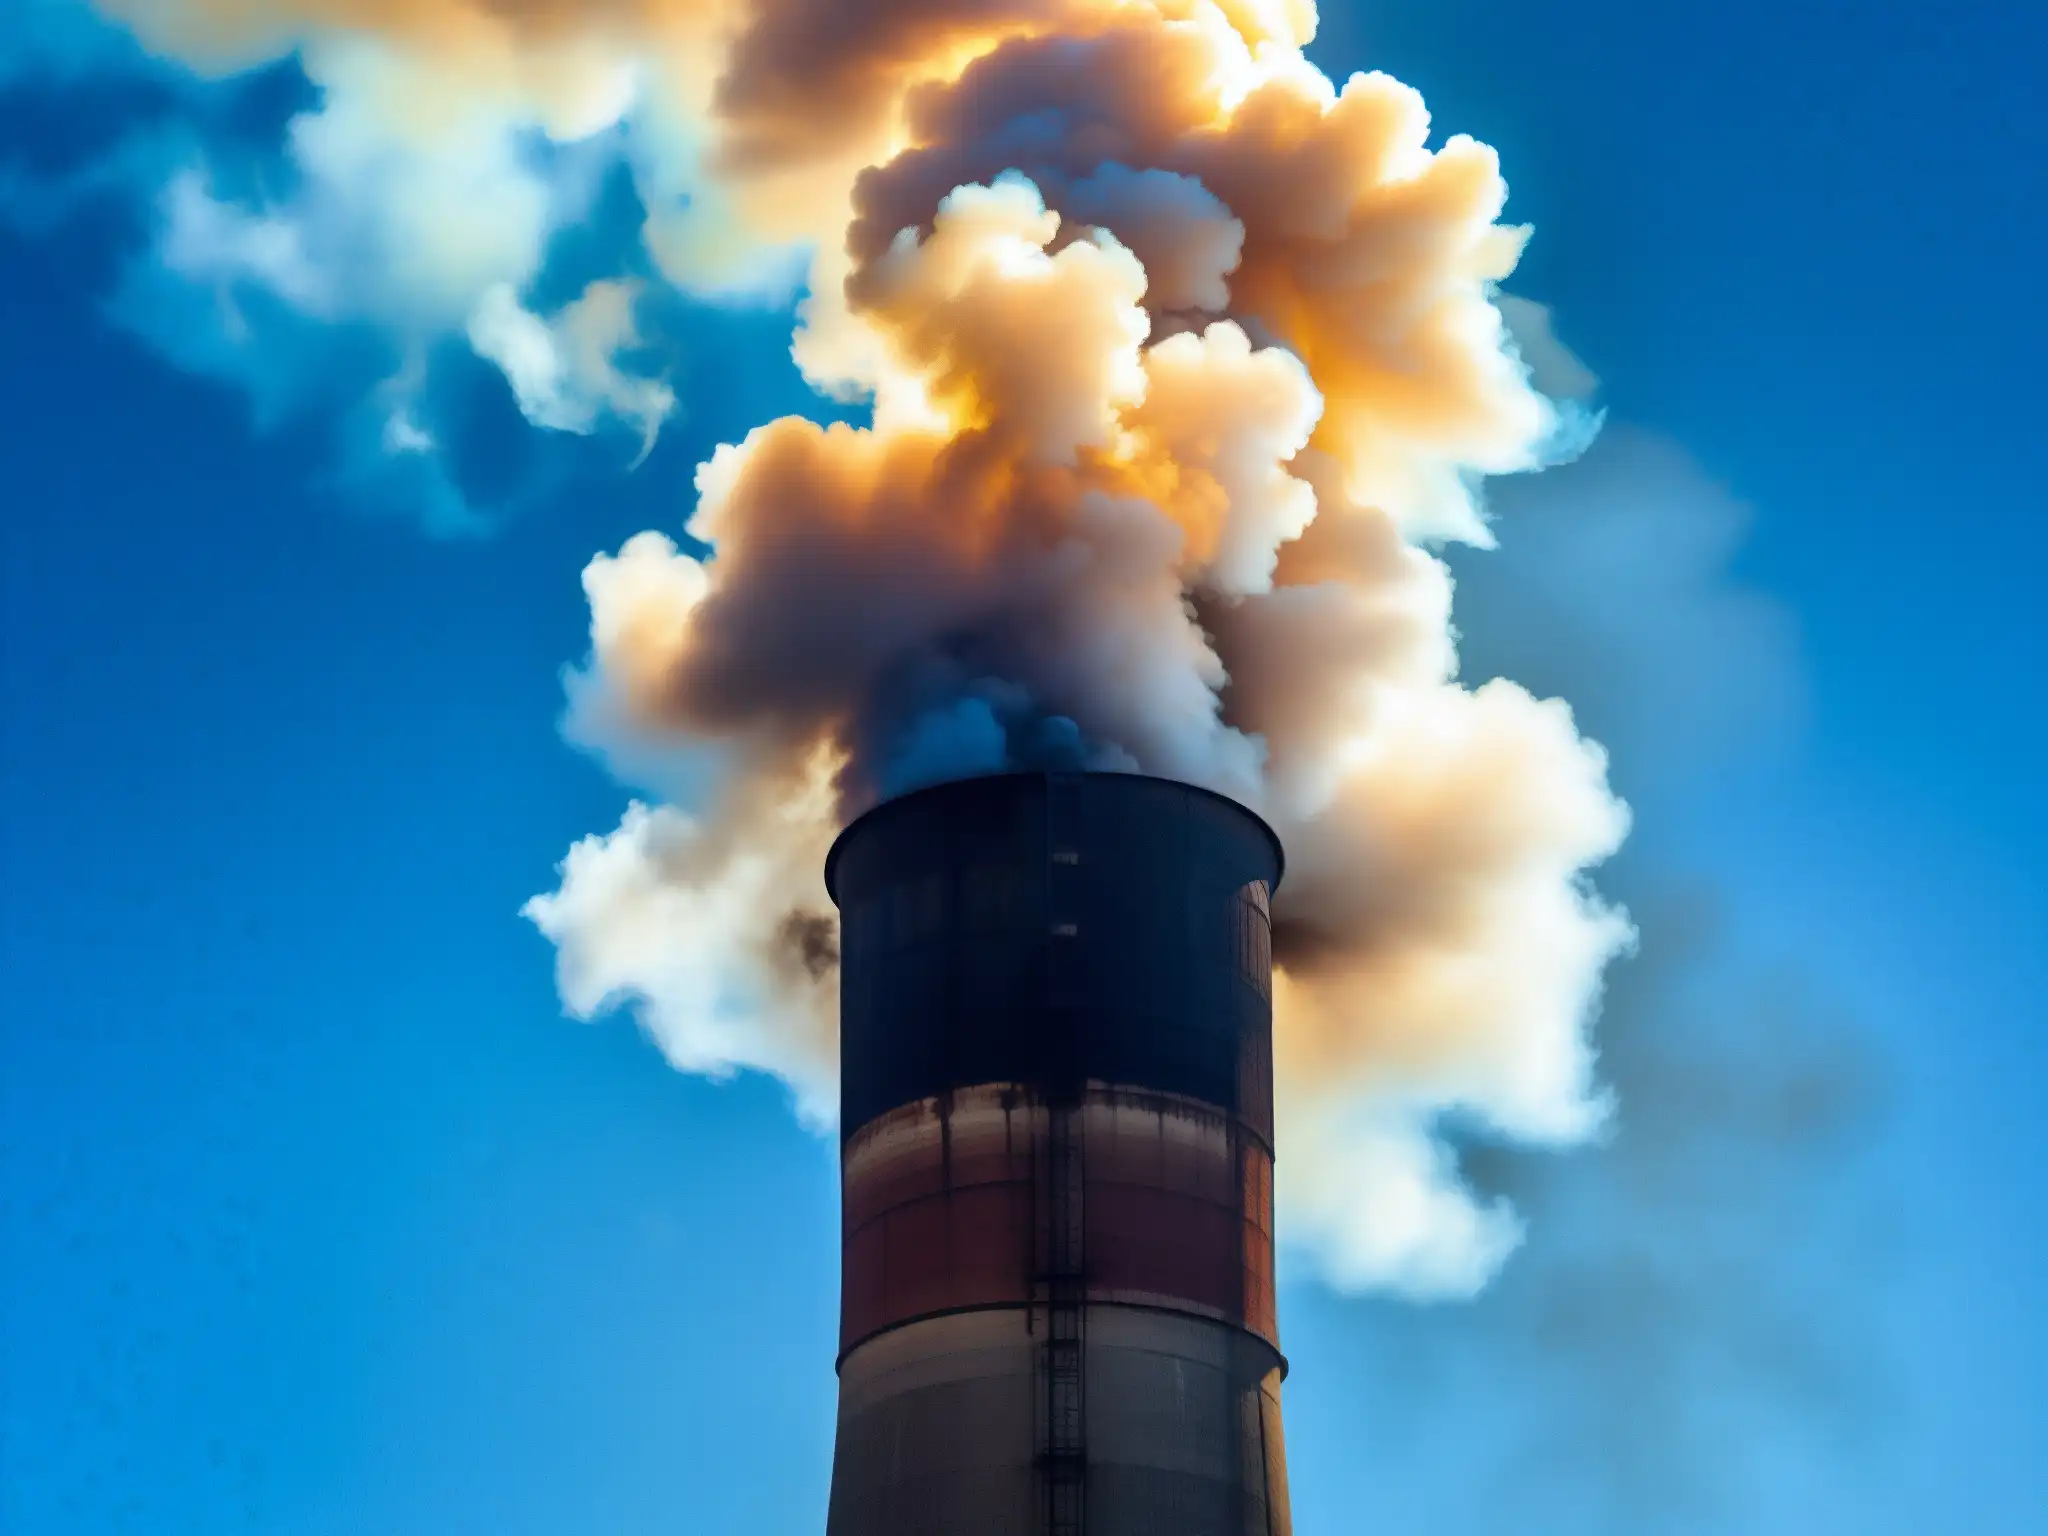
{"x": 1182, "y": 361}
{"x": 1692, "y": 1310}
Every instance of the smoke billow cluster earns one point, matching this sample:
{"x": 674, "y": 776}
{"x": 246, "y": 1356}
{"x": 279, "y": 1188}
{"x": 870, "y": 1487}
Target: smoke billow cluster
{"x": 1181, "y": 362}
{"x": 1691, "y": 1312}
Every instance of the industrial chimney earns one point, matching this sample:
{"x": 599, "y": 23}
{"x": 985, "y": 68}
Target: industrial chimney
{"x": 1057, "y": 1164}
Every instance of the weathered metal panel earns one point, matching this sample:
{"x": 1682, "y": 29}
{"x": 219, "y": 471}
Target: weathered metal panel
{"x": 1162, "y": 937}
{"x": 936, "y": 1433}
{"x": 939, "y": 1208}
{"x": 1176, "y": 1442}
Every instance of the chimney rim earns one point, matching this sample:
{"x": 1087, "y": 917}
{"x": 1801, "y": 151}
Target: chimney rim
{"x": 876, "y": 810}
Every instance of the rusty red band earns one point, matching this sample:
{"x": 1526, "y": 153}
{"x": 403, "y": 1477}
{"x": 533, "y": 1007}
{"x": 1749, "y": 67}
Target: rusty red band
{"x": 940, "y": 1213}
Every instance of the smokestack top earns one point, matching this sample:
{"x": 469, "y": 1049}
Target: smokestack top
{"x": 1050, "y": 930}
{"x": 876, "y": 814}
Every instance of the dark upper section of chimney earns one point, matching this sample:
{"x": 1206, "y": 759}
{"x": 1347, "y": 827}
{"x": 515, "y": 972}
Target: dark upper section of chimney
{"x": 1047, "y": 930}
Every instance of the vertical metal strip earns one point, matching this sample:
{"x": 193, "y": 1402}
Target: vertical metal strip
{"x": 1064, "y": 1276}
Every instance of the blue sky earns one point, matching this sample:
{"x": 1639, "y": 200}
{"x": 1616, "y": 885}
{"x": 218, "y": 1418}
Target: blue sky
{"x": 319, "y": 1219}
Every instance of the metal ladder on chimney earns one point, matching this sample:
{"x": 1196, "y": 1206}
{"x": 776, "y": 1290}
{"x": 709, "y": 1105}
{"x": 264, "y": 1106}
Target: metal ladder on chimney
{"x": 1063, "y": 1286}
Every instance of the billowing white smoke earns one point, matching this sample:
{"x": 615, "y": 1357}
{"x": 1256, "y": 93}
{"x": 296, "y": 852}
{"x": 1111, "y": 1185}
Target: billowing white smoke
{"x": 1180, "y": 360}
{"x": 703, "y": 923}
